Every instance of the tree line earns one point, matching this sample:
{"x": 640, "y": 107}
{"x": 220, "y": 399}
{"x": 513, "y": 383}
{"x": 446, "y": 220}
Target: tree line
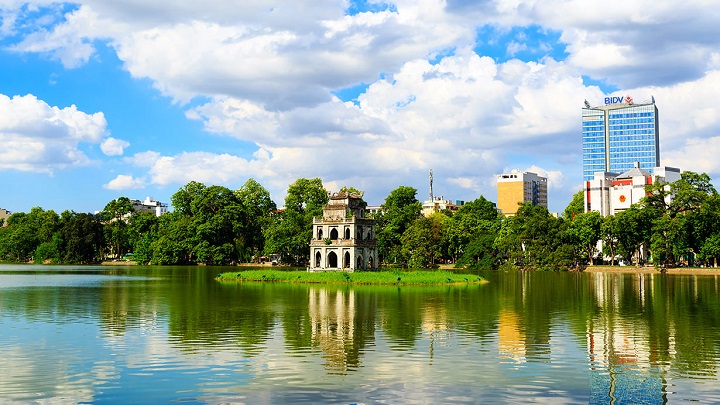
{"x": 676, "y": 223}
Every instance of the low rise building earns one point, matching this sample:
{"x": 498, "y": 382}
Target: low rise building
{"x": 150, "y": 205}
{"x": 610, "y": 193}
{"x": 4, "y": 215}
{"x": 438, "y": 204}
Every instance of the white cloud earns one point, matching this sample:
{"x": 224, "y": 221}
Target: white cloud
{"x": 124, "y": 182}
{"x": 40, "y": 138}
{"x": 266, "y": 75}
{"x": 556, "y": 180}
{"x": 203, "y": 167}
{"x": 113, "y": 146}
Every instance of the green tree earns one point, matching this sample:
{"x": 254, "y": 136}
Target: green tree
{"x": 533, "y": 238}
{"x": 710, "y": 250}
{"x": 82, "y": 238}
{"x": 576, "y": 206}
{"x": 608, "y": 231}
{"x": 258, "y": 207}
{"x": 400, "y": 209}
{"x": 585, "y": 230}
{"x": 422, "y": 241}
{"x": 143, "y": 230}
{"x": 175, "y": 240}
{"x": 471, "y": 234}
{"x": 289, "y": 232}
{"x": 26, "y": 232}
{"x": 183, "y": 198}
{"x": 635, "y": 231}
{"x": 218, "y": 218}
{"x": 114, "y": 217}
{"x": 672, "y": 203}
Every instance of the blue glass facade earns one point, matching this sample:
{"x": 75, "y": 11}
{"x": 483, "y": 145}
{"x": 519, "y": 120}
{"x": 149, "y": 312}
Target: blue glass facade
{"x": 618, "y": 135}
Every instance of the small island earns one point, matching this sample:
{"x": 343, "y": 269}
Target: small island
{"x": 409, "y": 278}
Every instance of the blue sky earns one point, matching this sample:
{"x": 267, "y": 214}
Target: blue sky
{"x": 128, "y": 98}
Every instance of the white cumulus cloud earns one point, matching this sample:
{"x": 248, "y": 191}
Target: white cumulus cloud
{"x": 114, "y": 146}
{"x": 38, "y": 137}
{"x": 124, "y": 182}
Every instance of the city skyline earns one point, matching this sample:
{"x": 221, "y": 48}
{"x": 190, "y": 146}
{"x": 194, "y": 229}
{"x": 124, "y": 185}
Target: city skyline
{"x": 107, "y": 99}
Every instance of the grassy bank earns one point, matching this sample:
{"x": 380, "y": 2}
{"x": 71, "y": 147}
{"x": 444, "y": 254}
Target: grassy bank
{"x": 438, "y": 277}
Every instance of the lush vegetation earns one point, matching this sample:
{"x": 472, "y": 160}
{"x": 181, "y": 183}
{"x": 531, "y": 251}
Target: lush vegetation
{"x": 375, "y": 277}
{"x": 677, "y": 223}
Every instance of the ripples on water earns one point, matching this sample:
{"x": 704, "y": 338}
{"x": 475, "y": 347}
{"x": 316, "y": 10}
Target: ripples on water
{"x": 176, "y": 335}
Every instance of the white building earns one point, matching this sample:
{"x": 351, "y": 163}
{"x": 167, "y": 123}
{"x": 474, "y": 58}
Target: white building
{"x": 610, "y": 193}
{"x": 150, "y": 205}
{"x": 343, "y": 239}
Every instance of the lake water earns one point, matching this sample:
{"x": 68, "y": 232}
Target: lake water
{"x": 174, "y": 334}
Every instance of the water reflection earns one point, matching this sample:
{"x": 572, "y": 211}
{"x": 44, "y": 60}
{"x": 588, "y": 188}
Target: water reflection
{"x": 175, "y": 334}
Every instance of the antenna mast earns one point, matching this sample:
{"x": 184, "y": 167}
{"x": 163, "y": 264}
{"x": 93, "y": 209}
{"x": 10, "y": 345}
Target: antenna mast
{"x": 431, "y": 191}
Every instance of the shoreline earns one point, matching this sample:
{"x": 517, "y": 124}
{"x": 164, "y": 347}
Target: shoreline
{"x": 713, "y": 271}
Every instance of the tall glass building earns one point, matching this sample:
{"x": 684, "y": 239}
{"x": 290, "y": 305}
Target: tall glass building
{"x": 615, "y": 136}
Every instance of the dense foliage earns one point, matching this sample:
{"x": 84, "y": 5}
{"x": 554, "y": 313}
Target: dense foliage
{"x": 676, "y": 224}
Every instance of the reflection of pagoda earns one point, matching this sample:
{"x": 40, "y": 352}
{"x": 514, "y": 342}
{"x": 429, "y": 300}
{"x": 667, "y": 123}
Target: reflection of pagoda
{"x": 343, "y": 239}
{"x": 332, "y": 317}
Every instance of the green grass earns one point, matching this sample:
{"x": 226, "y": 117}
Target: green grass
{"x": 439, "y": 277}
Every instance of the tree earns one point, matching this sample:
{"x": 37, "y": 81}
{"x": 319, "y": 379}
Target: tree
{"x": 290, "y": 232}
{"x": 533, "y": 238}
{"x": 585, "y": 230}
{"x": 671, "y": 203}
{"x": 608, "y": 232}
{"x": 258, "y": 207}
{"x": 26, "y": 232}
{"x": 142, "y": 231}
{"x": 114, "y": 217}
{"x": 710, "y": 250}
{"x": 176, "y": 239}
{"x": 183, "y": 198}
{"x": 400, "y": 209}
{"x": 471, "y": 234}
{"x": 422, "y": 241}
{"x": 217, "y": 216}
{"x": 576, "y": 206}
{"x": 636, "y": 231}
{"x": 82, "y": 238}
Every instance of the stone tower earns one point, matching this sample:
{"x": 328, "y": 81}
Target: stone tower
{"x": 343, "y": 239}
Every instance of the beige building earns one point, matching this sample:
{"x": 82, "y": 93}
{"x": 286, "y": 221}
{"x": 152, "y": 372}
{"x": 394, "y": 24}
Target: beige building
{"x": 4, "y": 215}
{"x": 516, "y": 188}
{"x": 343, "y": 239}
{"x": 438, "y": 204}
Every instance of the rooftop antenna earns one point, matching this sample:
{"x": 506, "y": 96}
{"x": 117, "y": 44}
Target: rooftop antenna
{"x": 431, "y": 192}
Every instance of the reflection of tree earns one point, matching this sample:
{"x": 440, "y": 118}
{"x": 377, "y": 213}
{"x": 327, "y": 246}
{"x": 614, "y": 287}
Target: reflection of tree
{"x": 400, "y": 317}
{"x": 204, "y": 314}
